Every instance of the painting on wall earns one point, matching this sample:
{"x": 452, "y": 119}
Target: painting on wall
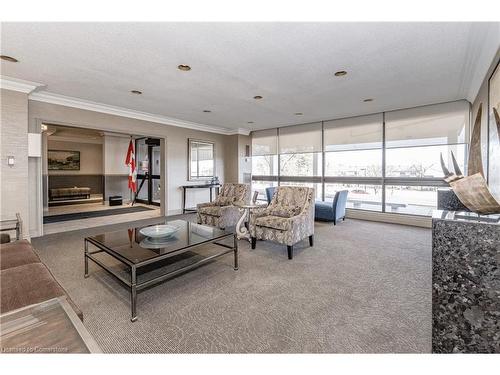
{"x": 494, "y": 133}
{"x": 60, "y": 160}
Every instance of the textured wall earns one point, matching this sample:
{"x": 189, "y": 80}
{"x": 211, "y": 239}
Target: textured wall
{"x": 14, "y": 142}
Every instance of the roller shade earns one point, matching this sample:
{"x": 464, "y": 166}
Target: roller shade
{"x": 354, "y": 133}
{"x": 300, "y": 138}
{"x": 437, "y": 124}
{"x": 265, "y": 142}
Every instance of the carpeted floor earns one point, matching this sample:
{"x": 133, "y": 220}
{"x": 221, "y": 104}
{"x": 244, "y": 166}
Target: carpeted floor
{"x": 364, "y": 287}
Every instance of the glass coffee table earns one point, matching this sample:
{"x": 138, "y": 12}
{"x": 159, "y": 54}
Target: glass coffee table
{"x": 135, "y": 251}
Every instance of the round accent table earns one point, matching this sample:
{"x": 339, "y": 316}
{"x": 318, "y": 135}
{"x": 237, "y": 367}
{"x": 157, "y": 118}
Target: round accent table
{"x": 241, "y": 230}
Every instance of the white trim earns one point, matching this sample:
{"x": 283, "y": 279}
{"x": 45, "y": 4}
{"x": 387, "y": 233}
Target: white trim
{"x": 14, "y": 84}
{"x": 386, "y": 217}
{"x": 68, "y": 101}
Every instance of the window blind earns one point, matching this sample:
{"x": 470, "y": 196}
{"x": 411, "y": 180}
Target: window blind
{"x": 354, "y": 133}
{"x": 437, "y": 124}
{"x": 300, "y": 138}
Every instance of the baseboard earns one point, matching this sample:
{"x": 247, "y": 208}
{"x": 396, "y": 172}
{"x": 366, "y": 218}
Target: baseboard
{"x": 386, "y": 217}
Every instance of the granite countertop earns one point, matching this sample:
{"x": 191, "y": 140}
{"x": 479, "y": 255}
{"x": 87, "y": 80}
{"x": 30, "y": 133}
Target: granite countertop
{"x": 464, "y": 216}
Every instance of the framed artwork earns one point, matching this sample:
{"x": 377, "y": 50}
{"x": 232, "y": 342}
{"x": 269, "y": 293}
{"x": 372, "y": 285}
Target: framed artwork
{"x": 61, "y": 160}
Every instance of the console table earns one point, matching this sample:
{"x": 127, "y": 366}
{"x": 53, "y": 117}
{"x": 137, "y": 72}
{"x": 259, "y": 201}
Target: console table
{"x": 199, "y": 186}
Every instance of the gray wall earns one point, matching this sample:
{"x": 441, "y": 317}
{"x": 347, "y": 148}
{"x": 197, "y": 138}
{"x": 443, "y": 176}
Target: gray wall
{"x": 14, "y": 142}
{"x": 90, "y": 156}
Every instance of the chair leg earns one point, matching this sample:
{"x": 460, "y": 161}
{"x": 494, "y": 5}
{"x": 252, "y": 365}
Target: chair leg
{"x": 254, "y": 242}
{"x": 311, "y": 240}
{"x": 334, "y": 222}
{"x": 290, "y": 252}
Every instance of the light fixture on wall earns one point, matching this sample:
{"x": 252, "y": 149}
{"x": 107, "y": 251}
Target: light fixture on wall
{"x": 184, "y": 68}
{"x": 298, "y": 113}
{"x": 10, "y": 161}
{"x": 44, "y": 128}
{"x": 9, "y": 58}
{"x": 137, "y": 92}
{"x": 368, "y": 100}
{"x": 207, "y": 111}
{"x": 340, "y": 73}
{"x": 257, "y": 97}
{"x": 249, "y": 122}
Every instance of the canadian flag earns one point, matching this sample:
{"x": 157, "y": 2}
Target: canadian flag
{"x": 132, "y": 172}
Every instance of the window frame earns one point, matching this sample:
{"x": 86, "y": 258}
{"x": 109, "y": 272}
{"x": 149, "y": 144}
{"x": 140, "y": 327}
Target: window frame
{"x": 192, "y": 141}
{"x": 383, "y": 181}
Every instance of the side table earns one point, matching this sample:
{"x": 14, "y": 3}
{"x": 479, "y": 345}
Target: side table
{"x": 242, "y": 232}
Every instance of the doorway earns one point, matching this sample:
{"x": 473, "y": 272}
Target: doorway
{"x": 148, "y": 170}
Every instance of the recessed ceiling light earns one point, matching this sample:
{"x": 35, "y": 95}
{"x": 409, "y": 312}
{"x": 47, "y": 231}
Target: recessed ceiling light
{"x": 250, "y": 122}
{"x": 340, "y": 73}
{"x": 298, "y": 113}
{"x": 368, "y": 100}
{"x": 8, "y": 58}
{"x": 136, "y": 92}
{"x": 184, "y": 68}
{"x": 207, "y": 111}
{"x": 257, "y": 97}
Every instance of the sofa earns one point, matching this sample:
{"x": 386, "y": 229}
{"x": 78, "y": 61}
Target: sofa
{"x": 222, "y": 212}
{"x": 25, "y": 280}
{"x": 69, "y": 193}
{"x": 332, "y": 211}
{"x": 288, "y": 219}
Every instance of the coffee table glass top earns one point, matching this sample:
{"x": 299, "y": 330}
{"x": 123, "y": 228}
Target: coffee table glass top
{"x": 135, "y": 247}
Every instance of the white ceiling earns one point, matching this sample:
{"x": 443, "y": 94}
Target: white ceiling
{"x": 290, "y": 64}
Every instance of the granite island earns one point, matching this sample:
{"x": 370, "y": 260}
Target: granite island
{"x": 465, "y": 282}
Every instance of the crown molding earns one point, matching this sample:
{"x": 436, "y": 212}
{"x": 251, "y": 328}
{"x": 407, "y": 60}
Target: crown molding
{"x": 14, "y": 84}
{"x": 47, "y": 97}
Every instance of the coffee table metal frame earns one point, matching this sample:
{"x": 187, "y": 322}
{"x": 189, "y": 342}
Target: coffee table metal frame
{"x": 133, "y": 285}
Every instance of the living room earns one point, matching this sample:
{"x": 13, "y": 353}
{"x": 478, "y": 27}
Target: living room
{"x": 249, "y": 188}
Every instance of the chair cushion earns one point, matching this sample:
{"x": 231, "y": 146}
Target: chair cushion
{"x": 284, "y": 210}
{"x": 17, "y": 253}
{"x": 224, "y": 201}
{"x": 26, "y": 285}
{"x": 210, "y": 210}
{"x": 274, "y": 222}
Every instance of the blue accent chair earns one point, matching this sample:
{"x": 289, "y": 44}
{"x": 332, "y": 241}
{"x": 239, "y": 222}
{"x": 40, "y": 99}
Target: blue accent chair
{"x": 269, "y": 193}
{"x": 332, "y": 211}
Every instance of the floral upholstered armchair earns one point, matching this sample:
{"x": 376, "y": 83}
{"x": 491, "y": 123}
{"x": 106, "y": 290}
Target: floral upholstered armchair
{"x": 222, "y": 212}
{"x": 288, "y": 219}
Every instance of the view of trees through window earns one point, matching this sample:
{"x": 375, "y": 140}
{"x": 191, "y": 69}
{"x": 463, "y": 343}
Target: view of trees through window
{"x": 400, "y": 175}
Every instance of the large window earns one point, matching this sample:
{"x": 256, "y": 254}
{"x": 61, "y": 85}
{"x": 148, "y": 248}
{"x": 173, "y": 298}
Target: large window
{"x": 202, "y": 160}
{"x": 389, "y": 162}
{"x": 415, "y": 139}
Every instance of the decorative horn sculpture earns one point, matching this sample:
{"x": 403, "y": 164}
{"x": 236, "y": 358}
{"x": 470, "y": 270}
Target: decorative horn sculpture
{"x": 473, "y": 190}
{"x": 475, "y": 163}
{"x": 458, "y": 172}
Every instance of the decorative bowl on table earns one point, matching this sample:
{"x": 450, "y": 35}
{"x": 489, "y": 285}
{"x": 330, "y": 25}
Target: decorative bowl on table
{"x": 159, "y": 232}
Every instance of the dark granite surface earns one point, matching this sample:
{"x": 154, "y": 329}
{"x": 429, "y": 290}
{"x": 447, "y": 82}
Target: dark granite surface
{"x": 448, "y": 200}
{"x": 466, "y": 282}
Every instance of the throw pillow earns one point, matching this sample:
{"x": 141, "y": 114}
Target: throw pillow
{"x": 224, "y": 201}
{"x": 284, "y": 211}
